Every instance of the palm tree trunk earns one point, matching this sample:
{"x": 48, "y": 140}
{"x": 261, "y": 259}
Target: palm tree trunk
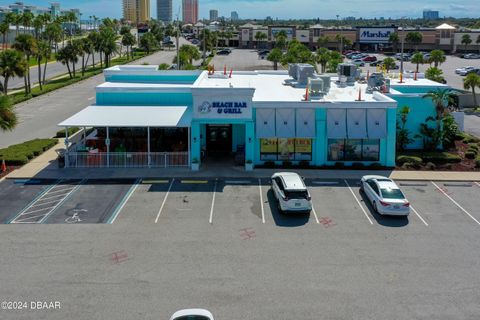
{"x": 73, "y": 67}
{"x": 275, "y": 65}
{"x": 45, "y": 70}
{"x": 5, "y": 85}
{"x": 25, "y": 84}
{"x": 474, "y": 97}
{"x": 83, "y": 65}
{"x": 69, "y": 71}
{"x": 40, "y": 73}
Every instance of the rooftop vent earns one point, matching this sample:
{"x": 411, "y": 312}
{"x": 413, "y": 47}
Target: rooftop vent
{"x": 377, "y": 82}
{"x": 347, "y": 72}
{"x": 304, "y": 72}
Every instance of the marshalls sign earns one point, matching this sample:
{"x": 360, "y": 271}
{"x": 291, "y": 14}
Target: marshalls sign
{"x": 375, "y": 35}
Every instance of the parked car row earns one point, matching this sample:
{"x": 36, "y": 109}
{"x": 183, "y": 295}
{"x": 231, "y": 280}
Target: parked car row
{"x": 467, "y": 70}
{"x": 471, "y": 56}
{"x": 385, "y": 196}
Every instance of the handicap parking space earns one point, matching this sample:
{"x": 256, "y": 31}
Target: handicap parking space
{"x": 93, "y": 201}
{"x": 16, "y": 195}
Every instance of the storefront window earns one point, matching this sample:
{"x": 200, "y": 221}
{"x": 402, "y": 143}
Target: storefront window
{"x": 336, "y": 149}
{"x": 268, "y": 149}
{"x": 353, "y": 150}
{"x": 285, "y": 149}
{"x": 303, "y": 149}
{"x": 371, "y": 150}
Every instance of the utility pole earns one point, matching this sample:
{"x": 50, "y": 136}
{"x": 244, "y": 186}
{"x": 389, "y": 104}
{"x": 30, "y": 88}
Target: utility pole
{"x": 177, "y": 33}
{"x": 204, "y": 45}
{"x": 402, "y": 48}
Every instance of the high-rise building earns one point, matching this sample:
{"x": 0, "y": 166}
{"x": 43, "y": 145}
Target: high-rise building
{"x": 136, "y": 11}
{"x": 213, "y": 15}
{"x": 164, "y": 10}
{"x": 430, "y": 15}
{"x": 190, "y": 11}
{"x": 234, "y": 16}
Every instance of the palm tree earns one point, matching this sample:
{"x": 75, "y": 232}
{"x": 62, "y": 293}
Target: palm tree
{"x": 12, "y": 64}
{"x": 27, "y": 19}
{"x": 229, "y": 35}
{"x": 440, "y": 98}
{"x": 471, "y": 81}
{"x": 8, "y": 117}
{"x": 260, "y": 36}
{"x": 4, "y": 28}
{"x": 414, "y": 38}
{"x": 128, "y": 40}
{"x": 323, "y": 56}
{"x": 15, "y": 19}
{"x": 38, "y": 24}
{"x": 66, "y": 55}
{"x": 466, "y": 40}
{"x": 394, "y": 39}
{"x": 26, "y": 43}
{"x": 434, "y": 74}
{"x": 44, "y": 51}
{"x": 322, "y": 41}
{"x": 389, "y": 63}
{"x": 281, "y": 39}
{"x": 109, "y": 38}
{"x": 275, "y": 56}
{"x": 93, "y": 38}
{"x": 437, "y": 57}
{"x": 341, "y": 40}
{"x": 417, "y": 58}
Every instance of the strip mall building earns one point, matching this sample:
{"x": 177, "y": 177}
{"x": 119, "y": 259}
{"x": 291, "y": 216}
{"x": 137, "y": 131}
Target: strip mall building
{"x": 144, "y": 117}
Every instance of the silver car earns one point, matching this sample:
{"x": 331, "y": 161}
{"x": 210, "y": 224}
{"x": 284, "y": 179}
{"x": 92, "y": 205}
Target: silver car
{"x": 291, "y": 193}
{"x": 385, "y": 196}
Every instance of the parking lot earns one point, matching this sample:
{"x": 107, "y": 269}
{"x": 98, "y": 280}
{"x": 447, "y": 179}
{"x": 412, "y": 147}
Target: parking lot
{"x": 146, "y": 248}
{"x": 188, "y": 204}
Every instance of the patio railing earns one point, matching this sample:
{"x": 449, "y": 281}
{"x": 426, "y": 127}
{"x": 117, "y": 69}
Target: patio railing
{"x": 128, "y": 159}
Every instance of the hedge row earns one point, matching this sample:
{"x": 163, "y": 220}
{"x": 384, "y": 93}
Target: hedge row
{"x": 71, "y": 131}
{"x": 20, "y": 154}
{"x": 417, "y": 159}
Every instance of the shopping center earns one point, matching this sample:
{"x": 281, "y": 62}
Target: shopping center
{"x": 148, "y": 118}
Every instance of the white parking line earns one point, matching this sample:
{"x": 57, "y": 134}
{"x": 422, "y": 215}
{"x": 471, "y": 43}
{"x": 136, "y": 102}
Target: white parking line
{"x": 261, "y": 199}
{"x": 61, "y": 190}
{"x": 455, "y": 202}
{"x": 213, "y": 202}
{"x": 124, "y": 201}
{"x": 358, "y": 201}
{"x": 315, "y": 214}
{"x": 164, "y": 200}
{"x": 418, "y": 215}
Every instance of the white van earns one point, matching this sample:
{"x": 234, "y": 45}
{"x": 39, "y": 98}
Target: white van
{"x": 291, "y": 193}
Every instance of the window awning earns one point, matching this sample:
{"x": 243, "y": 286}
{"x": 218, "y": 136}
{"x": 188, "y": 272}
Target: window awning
{"x": 120, "y": 116}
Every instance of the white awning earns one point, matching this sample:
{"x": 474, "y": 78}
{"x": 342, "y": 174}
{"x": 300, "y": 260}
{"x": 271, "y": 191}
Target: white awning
{"x": 120, "y": 116}
{"x": 377, "y": 123}
{"x": 356, "y": 124}
{"x": 336, "y": 123}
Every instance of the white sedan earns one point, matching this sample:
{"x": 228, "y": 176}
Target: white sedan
{"x": 385, "y": 196}
{"x": 192, "y": 314}
{"x": 463, "y": 71}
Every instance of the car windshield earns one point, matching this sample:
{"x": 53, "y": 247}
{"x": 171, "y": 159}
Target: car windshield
{"x": 392, "y": 194}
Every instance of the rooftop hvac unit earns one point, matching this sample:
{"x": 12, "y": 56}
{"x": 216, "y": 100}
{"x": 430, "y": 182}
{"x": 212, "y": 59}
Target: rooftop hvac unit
{"x": 304, "y": 72}
{"x": 349, "y": 71}
{"x": 326, "y": 82}
{"x": 316, "y": 87}
{"x": 292, "y": 70}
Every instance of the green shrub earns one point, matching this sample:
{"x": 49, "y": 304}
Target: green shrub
{"x": 409, "y": 159}
{"x": 473, "y": 146}
{"x": 477, "y": 162}
{"x": 473, "y": 150}
{"x": 71, "y": 131}
{"x": 440, "y": 157}
{"x": 470, "y": 139}
{"x": 358, "y": 165}
{"x": 20, "y": 154}
{"x": 470, "y": 155}
{"x": 430, "y": 166}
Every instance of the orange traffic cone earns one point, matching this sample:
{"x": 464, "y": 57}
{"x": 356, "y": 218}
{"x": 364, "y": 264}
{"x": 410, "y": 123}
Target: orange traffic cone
{"x": 4, "y": 166}
{"x": 401, "y": 77}
{"x": 306, "y": 94}
{"x": 368, "y": 74}
{"x": 225, "y": 70}
{"x": 231, "y": 71}
{"x": 415, "y": 76}
{"x": 359, "y": 94}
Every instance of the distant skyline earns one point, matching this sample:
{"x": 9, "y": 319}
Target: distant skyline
{"x": 284, "y": 9}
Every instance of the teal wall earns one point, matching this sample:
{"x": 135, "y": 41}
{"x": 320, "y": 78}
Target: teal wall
{"x": 166, "y": 79}
{"x": 238, "y": 135}
{"x": 414, "y": 89}
{"x": 420, "y": 109}
{"x": 144, "y": 99}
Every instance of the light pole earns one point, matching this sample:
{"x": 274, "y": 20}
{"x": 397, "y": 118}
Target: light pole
{"x": 177, "y": 43}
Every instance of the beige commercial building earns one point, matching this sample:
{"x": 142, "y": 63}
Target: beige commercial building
{"x": 136, "y": 11}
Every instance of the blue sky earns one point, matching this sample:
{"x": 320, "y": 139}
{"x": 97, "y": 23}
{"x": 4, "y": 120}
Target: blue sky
{"x": 285, "y": 9}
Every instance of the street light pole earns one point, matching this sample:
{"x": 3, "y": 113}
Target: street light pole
{"x": 177, "y": 33}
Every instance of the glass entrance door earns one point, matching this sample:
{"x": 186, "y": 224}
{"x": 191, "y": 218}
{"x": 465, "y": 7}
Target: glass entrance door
{"x": 219, "y": 140}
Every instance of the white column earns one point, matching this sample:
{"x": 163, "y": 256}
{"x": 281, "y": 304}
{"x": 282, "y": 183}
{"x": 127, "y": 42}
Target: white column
{"x": 66, "y": 147}
{"x": 148, "y": 147}
{"x": 107, "y": 143}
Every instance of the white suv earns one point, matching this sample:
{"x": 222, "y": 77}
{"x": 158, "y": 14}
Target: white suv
{"x": 291, "y": 193}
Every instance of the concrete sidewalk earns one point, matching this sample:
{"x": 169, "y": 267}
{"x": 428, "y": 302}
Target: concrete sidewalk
{"x": 46, "y": 167}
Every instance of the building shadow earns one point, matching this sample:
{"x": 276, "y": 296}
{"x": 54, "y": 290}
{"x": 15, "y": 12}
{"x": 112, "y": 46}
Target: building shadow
{"x": 386, "y": 221}
{"x": 285, "y": 219}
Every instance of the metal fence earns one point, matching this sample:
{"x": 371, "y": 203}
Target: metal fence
{"x": 128, "y": 159}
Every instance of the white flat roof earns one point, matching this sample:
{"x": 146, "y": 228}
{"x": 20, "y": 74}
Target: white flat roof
{"x": 131, "y": 116}
{"x": 270, "y": 87}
